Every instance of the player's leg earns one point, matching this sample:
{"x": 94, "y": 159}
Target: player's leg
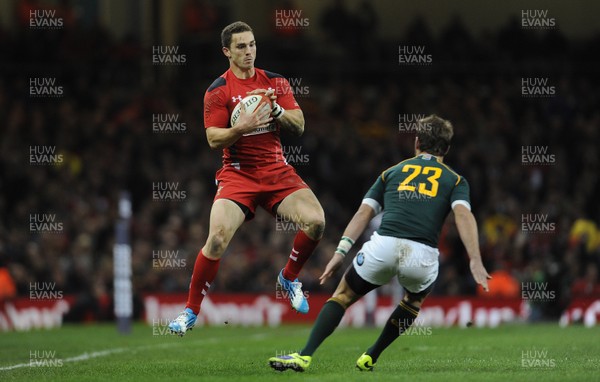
{"x": 303, "y": 208}
{"x": 417, "y": 271}
{"x": 225, "y": 218}
{"x": 374, "y": 265}
{"x": 329, "y": 318}
{"x": 351, "y": 288}
{"x": 398, "y": 322}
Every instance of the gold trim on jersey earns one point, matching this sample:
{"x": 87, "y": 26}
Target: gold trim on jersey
{"x": 416, "y": 156}
{"x": 452, "y": 171}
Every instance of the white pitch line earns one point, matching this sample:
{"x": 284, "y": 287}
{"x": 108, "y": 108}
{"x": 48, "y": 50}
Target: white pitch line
{"x": 87, "y": 356}
{"x": 82, "y": 357}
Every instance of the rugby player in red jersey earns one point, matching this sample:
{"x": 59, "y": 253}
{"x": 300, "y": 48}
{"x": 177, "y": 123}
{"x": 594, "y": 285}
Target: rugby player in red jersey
{"x": 254, "y": 173}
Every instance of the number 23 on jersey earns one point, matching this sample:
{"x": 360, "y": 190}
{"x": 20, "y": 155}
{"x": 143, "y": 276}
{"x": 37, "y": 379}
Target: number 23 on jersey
{"x": 430, "y": 188}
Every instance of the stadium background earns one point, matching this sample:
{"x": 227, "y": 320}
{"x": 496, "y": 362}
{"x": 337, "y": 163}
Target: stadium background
{"x": 358, "y": 101}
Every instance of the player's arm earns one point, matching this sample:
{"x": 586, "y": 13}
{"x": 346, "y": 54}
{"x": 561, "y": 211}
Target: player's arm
{"x": 467, "y": 229}
{"x": 359, "y": 222}
{"x": 289, "y": 117}
{"x": 353, "y": 230}
{"x": 292, "y": 121}
{"x": 371, "y": 205}
{"x": 220, "y": 138}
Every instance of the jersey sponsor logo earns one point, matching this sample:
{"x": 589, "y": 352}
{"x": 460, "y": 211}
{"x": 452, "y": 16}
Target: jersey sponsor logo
{"x": 238, "y": 98}
{"x": 263, "y": 130}
{"x": 360, "y": 259}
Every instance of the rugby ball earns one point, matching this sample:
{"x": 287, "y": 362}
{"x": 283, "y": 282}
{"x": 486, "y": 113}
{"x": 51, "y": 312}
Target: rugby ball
{"x": 251, "y": 102}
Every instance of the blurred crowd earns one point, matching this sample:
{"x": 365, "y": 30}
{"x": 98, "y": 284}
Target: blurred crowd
{"x": 357, "y": 100}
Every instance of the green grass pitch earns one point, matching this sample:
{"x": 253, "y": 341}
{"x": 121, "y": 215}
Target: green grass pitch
{"x": 97, "y": 353}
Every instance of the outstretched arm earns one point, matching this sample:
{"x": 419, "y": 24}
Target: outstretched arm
{"x": 467, "y": 229}
{"x": 355, "y": 228}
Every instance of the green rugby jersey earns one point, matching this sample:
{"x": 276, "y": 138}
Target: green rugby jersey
{"x": 416, "y": 195}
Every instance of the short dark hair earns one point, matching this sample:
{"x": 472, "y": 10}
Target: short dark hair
{"x": 229, "y": 30}
{"x": 434, "y": 135}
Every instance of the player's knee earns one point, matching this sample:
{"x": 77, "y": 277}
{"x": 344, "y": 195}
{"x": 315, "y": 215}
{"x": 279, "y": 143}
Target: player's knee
{"x": 343, "y": 298}
{"x": 315, "y": 226}
{"x": 413, "y": 299}
{"x": 344, "y": 295}
{"x": 217, "y": 243}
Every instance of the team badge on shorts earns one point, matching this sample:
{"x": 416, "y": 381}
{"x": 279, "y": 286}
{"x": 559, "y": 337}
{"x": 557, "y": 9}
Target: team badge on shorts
{"x": 360, "y": 259}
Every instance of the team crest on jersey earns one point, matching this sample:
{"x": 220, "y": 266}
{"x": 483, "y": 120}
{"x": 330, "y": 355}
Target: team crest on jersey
{"x": 360, "y": 259}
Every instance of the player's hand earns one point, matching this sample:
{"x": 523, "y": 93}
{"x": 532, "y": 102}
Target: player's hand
{"x": 269, "y": 93}
{"x": 479, "y": 273}
{"x": 334, "y": 264}
{"x": 261, "y": 117}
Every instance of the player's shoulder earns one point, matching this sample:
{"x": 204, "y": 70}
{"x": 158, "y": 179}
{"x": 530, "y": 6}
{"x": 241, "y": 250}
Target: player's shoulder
{"x": 223, "y": 83}
{"x": 268, "y": 74}
{"x": 454, "y": 175}
{"x": 385, "y": 174}
{"x": 218, "y": 83}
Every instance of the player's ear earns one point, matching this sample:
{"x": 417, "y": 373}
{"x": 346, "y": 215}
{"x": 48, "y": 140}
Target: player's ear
{"x": 226, "y": 52}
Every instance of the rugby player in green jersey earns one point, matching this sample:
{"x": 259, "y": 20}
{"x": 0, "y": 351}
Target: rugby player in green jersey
{"x": 416, "y": 195}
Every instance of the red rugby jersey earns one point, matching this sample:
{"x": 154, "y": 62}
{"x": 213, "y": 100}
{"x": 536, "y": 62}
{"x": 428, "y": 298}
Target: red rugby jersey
{"x": 258, "y": 148}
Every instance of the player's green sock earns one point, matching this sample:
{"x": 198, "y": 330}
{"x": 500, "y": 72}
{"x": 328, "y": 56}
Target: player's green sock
{"x": 329, "y": 318}
{"x": 400, "y": 320}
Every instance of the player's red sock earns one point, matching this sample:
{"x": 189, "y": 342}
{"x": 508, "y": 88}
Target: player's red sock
{"x": 205, "y": 270}
{"x": 303, "y": 248}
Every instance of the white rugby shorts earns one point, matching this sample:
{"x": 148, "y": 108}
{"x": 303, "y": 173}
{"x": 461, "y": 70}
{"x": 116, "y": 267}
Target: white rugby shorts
{"x": 383, "y": 257}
